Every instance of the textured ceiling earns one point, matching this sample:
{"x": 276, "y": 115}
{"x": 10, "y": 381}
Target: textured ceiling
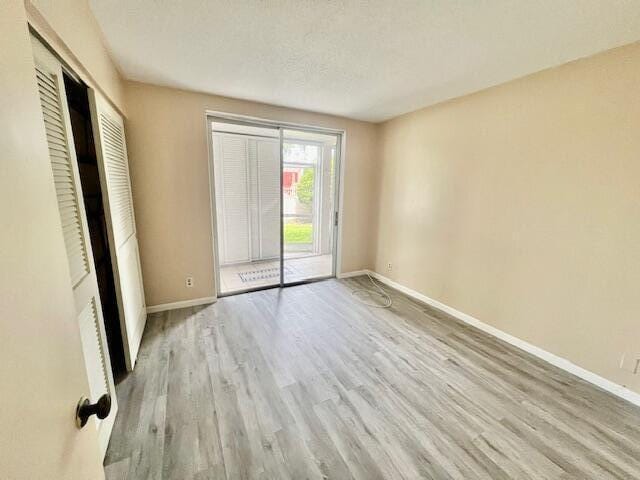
{"x": 369, "y": 60}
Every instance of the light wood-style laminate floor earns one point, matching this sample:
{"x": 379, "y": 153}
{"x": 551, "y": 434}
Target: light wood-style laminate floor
{"x": 305, "y": 382}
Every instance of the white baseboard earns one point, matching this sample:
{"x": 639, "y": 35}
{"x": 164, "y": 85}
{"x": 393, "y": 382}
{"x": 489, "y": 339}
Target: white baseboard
{"x": 355, "y": 273}
{"x": 548, "y": 357}
{"x": 182, "y": 304}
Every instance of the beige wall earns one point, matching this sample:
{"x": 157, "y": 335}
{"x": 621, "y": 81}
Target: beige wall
{"x": 520, "y": 205}
{"x": 42, "y": 371}
{"x": 71, "y": 29}
{"x": 168, "y": 157}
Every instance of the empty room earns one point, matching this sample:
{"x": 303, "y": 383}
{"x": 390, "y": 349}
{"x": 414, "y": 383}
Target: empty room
{"x": 328, "y": 240}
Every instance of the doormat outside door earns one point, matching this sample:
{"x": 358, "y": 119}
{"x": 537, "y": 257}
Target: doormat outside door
{"x": 262, "y": 274}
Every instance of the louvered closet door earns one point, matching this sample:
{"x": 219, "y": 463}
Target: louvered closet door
{"x": 113, "y": 164}
{"x": 76, "y": 236}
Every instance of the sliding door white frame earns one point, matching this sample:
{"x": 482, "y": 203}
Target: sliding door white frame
{"x": 213, "y": 116}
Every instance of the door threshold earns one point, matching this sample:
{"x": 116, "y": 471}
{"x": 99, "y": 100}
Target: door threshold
{"x": 271, "y": 287}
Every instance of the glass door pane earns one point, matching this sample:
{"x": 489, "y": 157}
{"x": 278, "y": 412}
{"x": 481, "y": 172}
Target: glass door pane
{"x": 308, "y": 166}
{"x": 246, "y": 162}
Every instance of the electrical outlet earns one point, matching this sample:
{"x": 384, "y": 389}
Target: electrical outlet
{"x": 189, "y": 282}
{"x": 630, "y": 363}
{"x": 389, "y": 267}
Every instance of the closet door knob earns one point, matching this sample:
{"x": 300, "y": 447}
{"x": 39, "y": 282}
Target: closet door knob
{"x": 85, "y": 409}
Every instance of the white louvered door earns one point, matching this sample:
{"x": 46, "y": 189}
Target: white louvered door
{"x": 254, "y": 203}
{"x": 111, "y": 147}
{"x": 232, "y": 197}
{"x": 247, "y": 184}
{"x": 82, "y": 271}
{"x": 268, "y": 171}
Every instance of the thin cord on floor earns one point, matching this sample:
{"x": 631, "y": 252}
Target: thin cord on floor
{"x": 372, "y": 293}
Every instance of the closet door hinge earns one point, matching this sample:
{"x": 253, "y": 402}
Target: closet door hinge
{"x": 335, "y": 218}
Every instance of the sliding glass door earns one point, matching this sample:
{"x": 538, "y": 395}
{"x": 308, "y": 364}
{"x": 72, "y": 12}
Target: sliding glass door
{"x": 274, "y": 206}
{"x": 246, "y": 163}
{"x": 308, "y": 168}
